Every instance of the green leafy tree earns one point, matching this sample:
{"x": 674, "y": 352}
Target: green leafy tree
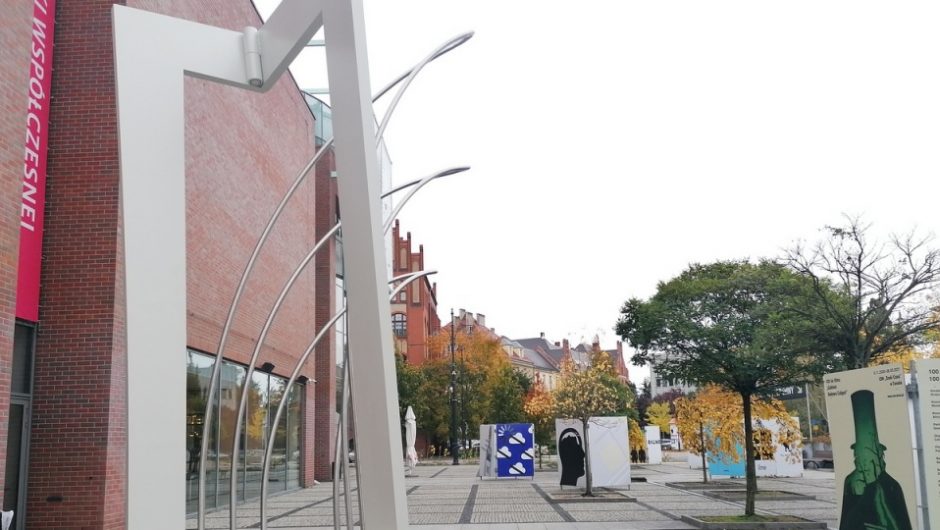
{"x": 658, "y": 414}
{"x": 733, "y": 324}
{"x": 507, "y": 388}
{"x": 873, "y": 297}
{"x": 586, "y": 393}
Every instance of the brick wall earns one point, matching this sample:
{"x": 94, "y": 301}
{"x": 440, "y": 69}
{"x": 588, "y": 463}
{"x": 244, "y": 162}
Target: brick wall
{"x": 243, "y": 150}
{"x": 321, "y": 416}
{"x": 420, "y": 307}
{"x": 73, "y": 455}
{"x": 14, "y": 74}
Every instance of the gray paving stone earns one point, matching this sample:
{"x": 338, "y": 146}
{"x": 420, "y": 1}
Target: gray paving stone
{"x": 514, "y": 517}
{"x": 435, "y": 518}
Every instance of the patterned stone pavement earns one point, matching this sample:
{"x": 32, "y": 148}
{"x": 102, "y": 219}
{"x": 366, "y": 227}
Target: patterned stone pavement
{"x": 450, "y": 497}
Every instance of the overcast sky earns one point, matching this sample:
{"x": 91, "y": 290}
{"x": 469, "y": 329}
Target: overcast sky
{"x": 613, "y": 143}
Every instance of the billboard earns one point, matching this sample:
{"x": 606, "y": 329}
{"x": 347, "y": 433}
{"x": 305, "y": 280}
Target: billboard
{"x": 33, "y": 196}
{"x": 507, "y": 450}
{"x": 928, "y": 388}
{"x": 609, "y": 446}
{"x": 871, "y": 445}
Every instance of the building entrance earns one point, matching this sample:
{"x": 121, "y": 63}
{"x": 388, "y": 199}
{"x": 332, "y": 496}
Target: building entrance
{"x": 14, "y": 484}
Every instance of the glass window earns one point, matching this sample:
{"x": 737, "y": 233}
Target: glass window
{"x": 400, "y": 325}
{"x": 293, "y": 436}
{"x": 264, "y": 395}
{"x": 277, "y": 475}
{"x": 22, "y": 379}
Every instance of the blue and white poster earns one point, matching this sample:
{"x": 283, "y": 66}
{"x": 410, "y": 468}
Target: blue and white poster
{"x": 515, "y": 450}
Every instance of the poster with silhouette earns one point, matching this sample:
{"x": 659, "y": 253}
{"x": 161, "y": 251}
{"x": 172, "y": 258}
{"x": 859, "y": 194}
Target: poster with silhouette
{"x": 871, "y": 447}
{"x": 610, "y": 451}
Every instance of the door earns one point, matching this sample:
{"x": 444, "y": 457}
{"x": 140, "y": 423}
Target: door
{"x": 14, "y": 485}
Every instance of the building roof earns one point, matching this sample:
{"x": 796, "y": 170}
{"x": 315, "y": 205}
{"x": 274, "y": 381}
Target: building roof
{"x": 538, "y": 360}
{"x": 553, "y": 353}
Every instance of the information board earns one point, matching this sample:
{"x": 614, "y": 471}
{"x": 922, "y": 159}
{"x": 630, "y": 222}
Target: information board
{"x": 871, "y": 445}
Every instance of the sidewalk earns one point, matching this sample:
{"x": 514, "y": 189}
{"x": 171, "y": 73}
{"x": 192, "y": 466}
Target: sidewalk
{"x": 450, "y": 497}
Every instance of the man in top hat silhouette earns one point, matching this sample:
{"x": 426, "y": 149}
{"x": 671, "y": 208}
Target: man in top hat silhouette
{"x": 871, "y": 498}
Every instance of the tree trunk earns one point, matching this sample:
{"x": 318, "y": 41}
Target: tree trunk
{"x": 701, "y": 431}
{"x": 588, "y": 479}
{"x": 750, "y": 471}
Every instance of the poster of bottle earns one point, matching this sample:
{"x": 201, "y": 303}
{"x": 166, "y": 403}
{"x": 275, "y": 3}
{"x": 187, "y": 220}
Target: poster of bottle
{"x": 927, "y": 373}
{"x": 871, "y": 446}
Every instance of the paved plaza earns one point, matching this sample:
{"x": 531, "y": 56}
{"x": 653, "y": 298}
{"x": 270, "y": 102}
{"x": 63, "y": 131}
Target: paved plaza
{"x": 453, "y": 497}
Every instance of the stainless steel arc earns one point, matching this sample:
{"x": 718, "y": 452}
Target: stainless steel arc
{"x": 217, "y": 365}
{"x": 265, "y": 472}
{"x": 441, "y": 50}
{"x": 448, "y": 46}
{"x": 266, "y": 462}
{"x": 243, "y": 400}
{"x": 421, "y": 184}
{"x": 340, "y": 461}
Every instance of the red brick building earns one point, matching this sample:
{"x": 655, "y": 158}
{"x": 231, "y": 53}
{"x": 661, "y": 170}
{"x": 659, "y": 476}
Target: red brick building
{"x": 414, "y": 313}
{"x": 63, "y": 370}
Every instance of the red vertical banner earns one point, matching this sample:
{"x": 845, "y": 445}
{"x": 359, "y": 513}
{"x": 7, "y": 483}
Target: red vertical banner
{"x": 33, "y": 198}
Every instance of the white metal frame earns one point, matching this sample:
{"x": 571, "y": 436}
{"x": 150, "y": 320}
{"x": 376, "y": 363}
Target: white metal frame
{"x": 152, "y": 54}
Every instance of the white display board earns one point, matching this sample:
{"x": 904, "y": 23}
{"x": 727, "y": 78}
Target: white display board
{"x": 487, "y": 451}
{"x": 871, "y": 444}
{"x": 787, "y": 460}
{"x": 609, "y": 446}
{"x": 654, "y": 448}
{"x": 928, "y": 390}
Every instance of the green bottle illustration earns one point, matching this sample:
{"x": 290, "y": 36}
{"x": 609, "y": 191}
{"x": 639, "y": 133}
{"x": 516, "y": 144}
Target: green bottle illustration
{"x": 871, "y": 498}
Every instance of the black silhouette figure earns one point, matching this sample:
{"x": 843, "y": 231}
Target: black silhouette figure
{"x": 571, "y": 452}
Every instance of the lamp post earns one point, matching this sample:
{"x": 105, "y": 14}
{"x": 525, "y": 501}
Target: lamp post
{"x": 454, "y": 450}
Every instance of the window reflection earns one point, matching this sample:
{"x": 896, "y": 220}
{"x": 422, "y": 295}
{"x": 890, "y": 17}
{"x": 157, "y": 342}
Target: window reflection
{"x": 264, "y": 395}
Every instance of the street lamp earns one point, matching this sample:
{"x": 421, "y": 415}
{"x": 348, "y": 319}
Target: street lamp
{"x": 453, "y": 392}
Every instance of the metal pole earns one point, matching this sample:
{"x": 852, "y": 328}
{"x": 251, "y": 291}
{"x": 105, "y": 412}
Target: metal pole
{"x": 809, "y": 422}
{"x": 453, "y": 392}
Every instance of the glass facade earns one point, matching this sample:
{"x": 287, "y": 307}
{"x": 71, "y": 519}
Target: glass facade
{"x": 264, "y": 396}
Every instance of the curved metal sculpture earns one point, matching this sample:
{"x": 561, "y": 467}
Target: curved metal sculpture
{"x": 249, "y": 267}
{"x": 266, "y": 468}
{"x": 217, "y": 365}
{"x": 340, "y": 462}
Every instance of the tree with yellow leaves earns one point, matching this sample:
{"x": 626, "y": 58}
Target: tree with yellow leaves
{"x": 540, "y": 411}
{"x": 710, "y": 422}
{"x": 658, "y": 414}
{"x": 583, "y": 394}
{"x": 636, "y": 437}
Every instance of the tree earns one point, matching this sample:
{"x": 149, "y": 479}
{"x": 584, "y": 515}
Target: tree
{"x": 874, "y": 296}
{"x": 637, "y": 437}
{"x": 733, "y": 324}
{"x": 658, "y": 414}
{"x": 489, "y": 390}
{"x": 540, "y": 411}
{"x": 643, "y": 401}
{"x": 582, "y": 394}
{"x": 710, "y": 422}
{"x": 507, "y": 389}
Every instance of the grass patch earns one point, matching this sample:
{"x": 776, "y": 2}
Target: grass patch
{"x": 750, "y": 518}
